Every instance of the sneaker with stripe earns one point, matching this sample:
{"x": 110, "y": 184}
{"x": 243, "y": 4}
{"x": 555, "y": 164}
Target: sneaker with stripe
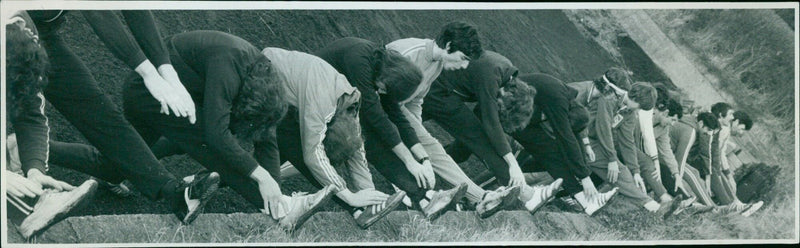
{"x": 443, "y": 200}
{"x": 54, "y": 206}
{"x": 496, "y": 200}
{"x": 542, "y": 195}
{"x": 195, "y": 196}
{"x": 371, "y": 214}
{"x": 592, "y": 204}
{"x": 302, "y": 206}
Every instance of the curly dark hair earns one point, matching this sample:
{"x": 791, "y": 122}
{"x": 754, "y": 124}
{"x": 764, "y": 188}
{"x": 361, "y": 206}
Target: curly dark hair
{"x": 516, "y": 107}
{"x": 709, "y": 120}
{"x": 615, "y": 75}
{"x": 343, "y": 138}
{"x": 26, "y": 68}
{"x": 743, "y": 118}
{"x": 260, "y": 103}
{"x": 720, "y": 109}
{"x": 399, "y": 74}
{"x": 643, "y": 94}
{"x": 674, "y": 108}
{"x": 462, "y": 37}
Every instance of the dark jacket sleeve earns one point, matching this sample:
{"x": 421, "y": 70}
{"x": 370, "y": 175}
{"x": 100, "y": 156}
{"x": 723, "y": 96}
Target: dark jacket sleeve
{"x": 487, "y": 87}
{"x": 397, "y": 117}
{"x": 359, "y": 74}
{"x": 112, "y": 32}
{"x": 626, "y": 143}
{"x": 221, "y": 88}
{"x": 32, "y": 134}
{"x": 557, "y": 114}
{"x": 704, "y": 141}
{"x": 144, "y": 30}
{"x": 266, "y": 152}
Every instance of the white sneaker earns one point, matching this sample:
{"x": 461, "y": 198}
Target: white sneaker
{"x": 542, "y": 195}
{"x": 302, "y": 206}
{"x": 753, "y": 207}
{"x": 652, "y": 206}
{"x": 54, "y": 206}
{"x": 591, "y": 205}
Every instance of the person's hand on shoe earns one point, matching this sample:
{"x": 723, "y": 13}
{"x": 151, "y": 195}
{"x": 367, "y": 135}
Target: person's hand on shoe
{"x": 20, "y": 186}
{"x": 47, "y": 181}
{"x": 363, "y": 198}
{"x": 588, "y": 187}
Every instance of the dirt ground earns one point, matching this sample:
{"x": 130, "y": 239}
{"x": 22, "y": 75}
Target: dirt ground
{"x": 535, "y": 40}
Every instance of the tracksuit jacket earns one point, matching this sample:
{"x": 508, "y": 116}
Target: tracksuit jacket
{"x": 313, "y": 86}
{"x": 353, "y": 57}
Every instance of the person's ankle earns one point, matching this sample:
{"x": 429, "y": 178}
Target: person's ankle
{"x": 525, "y": 193}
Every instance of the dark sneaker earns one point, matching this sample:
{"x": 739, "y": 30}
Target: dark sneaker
{"x": 570, "y": 204}
{"x": 672, "y": 207}
{"x": 302, "y": 206}
{"x": 591, "y": 205}
{"x": 196, "y": 195}
{"x": 372, "y": 214}
{"x": 119, "y": 189}
{"x": 54, "y": 206}
{"x": 542, "y": 195}
{"x": 496, "y": 200}
{"x": 443, "y": 200}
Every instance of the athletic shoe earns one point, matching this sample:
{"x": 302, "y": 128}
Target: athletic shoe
{"x": 118, "y": 189}
{"x": 302, "y": 206}
{"x": 372, "y": 214}
{"x": 684, "y": 204}
{"x": 196, "y": 195}
{"x": 443, "y": 200}
{"x": 591, "y": 205}
{"x": 752, "y": 208}
{"x": 496, "y": 200}
{"x": 542, "y": 195}
{"x": 54, "y": 206}
{"x": 570, "y": 204}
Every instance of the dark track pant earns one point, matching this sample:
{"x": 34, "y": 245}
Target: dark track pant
{"x": 450, "y": 112}
{"x": 547, "y": 156}
{"x": 73, "y": 91}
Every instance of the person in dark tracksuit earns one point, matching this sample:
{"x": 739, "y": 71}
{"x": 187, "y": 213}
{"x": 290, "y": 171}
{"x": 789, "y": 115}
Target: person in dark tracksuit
{"x": 384, "y": 76}
{"x": 75, "y": 94}
{"x": 480, "y": 132}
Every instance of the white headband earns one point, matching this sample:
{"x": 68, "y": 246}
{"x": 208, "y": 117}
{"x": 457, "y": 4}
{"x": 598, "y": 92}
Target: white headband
{"x": 614, "y": 86}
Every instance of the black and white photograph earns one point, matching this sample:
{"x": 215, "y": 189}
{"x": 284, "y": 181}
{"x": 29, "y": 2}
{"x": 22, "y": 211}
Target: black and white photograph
{"x": 211, "y": 123}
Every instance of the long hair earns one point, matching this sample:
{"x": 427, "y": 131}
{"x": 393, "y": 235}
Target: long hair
{"x": 399, "y": 74}
{"x": 343, "y": 137}
{"x": 516, "y": 107}
{"x": 260, "y": 103}
{"x": 26, "y": 68}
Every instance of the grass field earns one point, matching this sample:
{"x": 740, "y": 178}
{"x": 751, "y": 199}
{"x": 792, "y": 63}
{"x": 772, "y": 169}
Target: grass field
{"x": 535, "y": 40}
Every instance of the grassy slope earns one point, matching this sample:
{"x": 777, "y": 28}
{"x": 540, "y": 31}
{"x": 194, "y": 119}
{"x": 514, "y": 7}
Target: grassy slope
{"x": 543, "y": 41}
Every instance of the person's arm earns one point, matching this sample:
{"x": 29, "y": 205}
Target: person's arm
{"x": 143, "y": 27}
{"x": 704, "y": 146}
{"x": 266, "y": 151}
{"x": 32, "y": 134}
{"x": 665, "y": 153}
{"x": 316, "y": 108}
{"x": 627, "y": 143}
{"x": 557, "y": 113}
{"x": 648, "y": 138}
{"x": 361, "y": 178}
{"x": 486, "y": 85}
{"x": 113, "y": 34}
{"x": 603, "y": 120}
{"x": 716, "y": 154}
{"x": 222, "y": 87}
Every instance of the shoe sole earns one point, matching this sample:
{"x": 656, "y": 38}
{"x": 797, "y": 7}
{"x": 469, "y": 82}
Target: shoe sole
{"x": 751, "y": 211}
{"x": 462, "y": 190}
{"x": 508, "y": 201}
{"x": 388, "y": 209}
{"x": 549, "y": 198}
{"x": 78, "y": 203}
{"x": 609, "y": 202}
{"x": 203, "y": 200}
{"x": 303, "y": 218}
